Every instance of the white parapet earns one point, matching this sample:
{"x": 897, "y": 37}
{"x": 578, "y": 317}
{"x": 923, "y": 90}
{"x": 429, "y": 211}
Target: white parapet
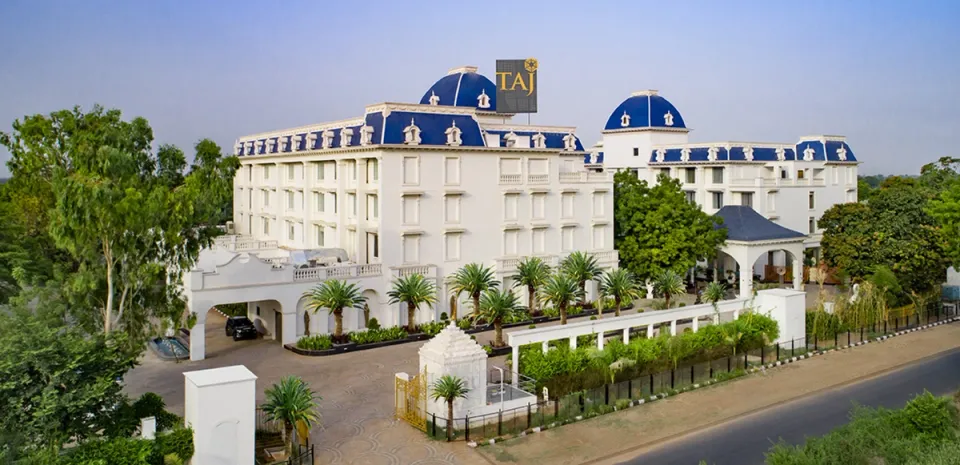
{"x": 220, "y": 406}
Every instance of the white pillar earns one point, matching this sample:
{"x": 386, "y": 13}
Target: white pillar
{"x": 746, "y": 281}
{"x": 798, "y": 273}
{"x": 626, "y": 335}
{"x": 220, "y": 406}
{"x": 736, "y": 314}
{"x": 673, "y": 328}
{"x": 198, "y": 335}
{"x": 573, "y": 342}
{"x": 546, "y": 346}
{"x": 649, "y": 331}
{"x": 515, "y": 366}
{"x": 289, "y": 322}
{"x": 716, "y": 318}
{"x": 600, "y": 340}
{"x": 696, "y": 324}
{"x": 148, "y": 428}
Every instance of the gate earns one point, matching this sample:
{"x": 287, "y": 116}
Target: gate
{"x": 411, "y": 400}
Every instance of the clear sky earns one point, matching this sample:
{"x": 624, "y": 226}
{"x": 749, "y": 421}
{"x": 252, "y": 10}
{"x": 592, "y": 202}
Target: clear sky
{"x": 883, "y": 73}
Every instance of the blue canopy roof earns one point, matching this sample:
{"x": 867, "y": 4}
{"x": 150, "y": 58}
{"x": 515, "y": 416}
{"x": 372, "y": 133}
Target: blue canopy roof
{"x": 745, "y": 224}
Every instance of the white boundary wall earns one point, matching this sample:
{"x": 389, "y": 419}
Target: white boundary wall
{"x": 220, "y": 406}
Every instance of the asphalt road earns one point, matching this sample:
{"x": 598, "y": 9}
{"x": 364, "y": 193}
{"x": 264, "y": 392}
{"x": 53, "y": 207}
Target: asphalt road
{"x": 744, "y": 441}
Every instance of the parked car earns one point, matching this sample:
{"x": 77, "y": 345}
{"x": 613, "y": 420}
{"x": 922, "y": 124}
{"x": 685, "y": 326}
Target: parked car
{"x": 240, "y": 327}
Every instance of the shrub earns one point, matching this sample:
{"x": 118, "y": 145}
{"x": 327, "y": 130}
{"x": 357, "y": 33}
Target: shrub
{"x": 373, "y": 324}
{"x": 464, "y": 324}
{"x": 531, "y": 326}
{"x": 315, "y": 342}
{"x": 488, "y": 349}
{"x": 592, "y": 318}
{"x": 433, "y": 328}
{"x": 444, "y": 316}
{"x": 682, "y": 304}
{"x": 371, "y": 336}
{"x": 930, "y": 415}
{"x": 622, "y": 404}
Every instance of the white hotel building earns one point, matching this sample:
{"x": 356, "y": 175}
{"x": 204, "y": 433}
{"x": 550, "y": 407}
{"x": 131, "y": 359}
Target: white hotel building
{"x": 405, "y": 188}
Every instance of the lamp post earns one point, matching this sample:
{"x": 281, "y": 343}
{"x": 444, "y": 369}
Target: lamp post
{"x": 501, "y": 385}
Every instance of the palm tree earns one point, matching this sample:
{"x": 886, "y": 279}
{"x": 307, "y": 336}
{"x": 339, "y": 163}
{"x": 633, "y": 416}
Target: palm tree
{"x": 560, "y": 290}
{"x": 472, "y": 279}
{"x": 336, "y": 295}
{"x": 449, "y": 388}
{"x": 714, "y": 293}
{"x": 413, "y": 290}
{"x": 669, "y": 284}
{"x": 532, "y": 272}
{"x": 582, "y": 267}
{"x": 292, "y": 403}
{"x": 620, "y": 285}
{"x": 495, "y": 307}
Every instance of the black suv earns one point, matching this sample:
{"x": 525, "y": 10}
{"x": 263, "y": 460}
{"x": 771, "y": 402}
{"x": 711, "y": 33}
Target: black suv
{"x": 240, "y": 327}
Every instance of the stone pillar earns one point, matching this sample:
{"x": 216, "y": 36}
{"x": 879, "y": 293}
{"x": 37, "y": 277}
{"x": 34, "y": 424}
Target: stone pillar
{"x": 798, "y": 273}
{"x": 600, "y": 340}
{"x": 696, "y": 324}
{"x": 736, "y": 314}
{"x": 626, "y": 335}
{"x": 515, "y": 366}
{"x": 545, "y": 346}
{"x": 746, "y": 281}
{"x": 649, "y": 331}
{"x": 197, "y": 342}
{"x": 220, "y": 406}
{"x": 673, "y": 328}
{"x": 573, "y": 342}
{"x": 788, "y": 307}
{"x": 289, "y": 322}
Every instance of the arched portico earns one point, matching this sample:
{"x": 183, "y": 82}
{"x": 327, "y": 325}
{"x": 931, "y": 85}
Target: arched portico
{"x": 751, "y": 236}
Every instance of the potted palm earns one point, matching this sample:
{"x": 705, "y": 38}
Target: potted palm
{"x": 582, "y": 267}
{"x": 560, "y": 291}
{"x": 532, "y": 272}
{"x": 472, "y": 280}
{"x": 620, "y": 285}
{"x": 413, "y": 290}
{"x": 449, "y": 388}
{"x": 336, "y": 295}
{"x": 293, "y": 404}
{"x": 496, "y": 306}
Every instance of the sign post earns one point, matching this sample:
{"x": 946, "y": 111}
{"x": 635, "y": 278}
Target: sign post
{"x": 517, "y": 86}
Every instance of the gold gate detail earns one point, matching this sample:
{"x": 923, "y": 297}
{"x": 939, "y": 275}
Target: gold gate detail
{"x": 411, "y": 400}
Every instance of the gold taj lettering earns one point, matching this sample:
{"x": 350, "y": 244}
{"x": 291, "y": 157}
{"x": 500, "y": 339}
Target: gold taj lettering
{"x": 518, "y": 80}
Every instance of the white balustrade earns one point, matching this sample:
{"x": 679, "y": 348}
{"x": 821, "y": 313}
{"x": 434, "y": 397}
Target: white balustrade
{"x": 511, "y": 179}
{"x": 538, "y": 179}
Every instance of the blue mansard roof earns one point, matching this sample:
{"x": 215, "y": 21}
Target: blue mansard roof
{"x": 645, "y": 109}
{"x": 462, "y": 88}
{"x": 554, "y": 140}
{"x": 724, "y": 153}
{"x": 745, "y": 224}
{"x": 829, "y": 149}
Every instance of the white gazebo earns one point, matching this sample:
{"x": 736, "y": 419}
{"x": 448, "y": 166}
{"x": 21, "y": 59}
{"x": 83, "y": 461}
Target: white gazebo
{"x": 750, "y": 236}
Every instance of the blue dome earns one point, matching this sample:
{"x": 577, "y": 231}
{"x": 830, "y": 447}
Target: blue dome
{"x": 645, "y": 109}
{"x": 463, "y": 87}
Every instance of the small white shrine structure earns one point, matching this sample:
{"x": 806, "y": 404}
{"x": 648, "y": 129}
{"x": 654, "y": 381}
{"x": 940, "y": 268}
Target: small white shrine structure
{"x": 220, "y": 406}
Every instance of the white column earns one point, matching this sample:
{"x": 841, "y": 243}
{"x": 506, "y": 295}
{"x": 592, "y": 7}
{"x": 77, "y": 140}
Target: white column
{"x": 798, "y": 273}
{"x": 546, "y": 346}
{"x": 649, "y": 331}
{"x": 289, "y": 322}
{"x": 746, "y": 281}
{"x": 626, "y": 335}
{"x": 600, "y": 340}
{"x": 515, "y": 366}
{"x": 673, "y": 328}
{"x": 573, "y": 342}
{"x": 197, "y": 342}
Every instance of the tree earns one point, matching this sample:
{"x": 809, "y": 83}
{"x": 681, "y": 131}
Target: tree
{"x": 473, "y": 279}
{"x": 582, "y": 267}
{"x": 496, "y": 306}
{"x": 561, "y": 291}
{"x": 59, "y": 384}
{"x": 292, "y": 403}
{"x": 449, "y": 388}
{"x": 945, "y": 209}
{"x": 657, "y": 229}
{"x": 668, "y": 283}
{"x": 532, "y": 272}
{"x": 413, "y": 290}
{"x": 619, "y": 285}
{"x": 335, "y": 295}
{"x": 715, "y": 292}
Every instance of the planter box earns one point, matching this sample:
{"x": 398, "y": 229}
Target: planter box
{"x": 496, "y": 352}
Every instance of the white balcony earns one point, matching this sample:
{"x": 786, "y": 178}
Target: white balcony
{"x": 427, "y": 271}
{"x": 511, "y": 179}
{"x": 236, "y": 243}
{"x": 538, "y": 179}
{"x": 778, "y": 182}
{"x": 322, "y": 273}
{"x": 585, "y": 176}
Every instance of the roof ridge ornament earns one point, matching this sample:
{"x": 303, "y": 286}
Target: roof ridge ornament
{"x": 668, "y": 118}
{"x": 510, "y": 139}
{"x": 411, "y": 134}
{"x": 434, "y": 98}
{"x": 483, "y": 100}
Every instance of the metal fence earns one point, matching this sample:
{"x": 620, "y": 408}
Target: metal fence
{"x": 617, "y": 395}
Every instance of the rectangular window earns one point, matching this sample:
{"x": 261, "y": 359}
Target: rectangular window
{"x": 266, "y": 198}
{"x": 665, "y": 172}
{"x": 291, "y": 171}
{"x": 320, "y": 173}
{"x": 799, "y": 174}
{"x": 334, "y": 202}
{"x": 717, "y": 200}
{"x": 353, "y": 170}
{"x": 566, "y": 239}
{"x": 851, "y": 196}
{"x": 373, "y": 170}
{"x": 411, "y": 210}
{"x": 266, "y": 172}
{"x": 539, "y": 206}
{"x": 266, "y": 226}
{"x": 510, "y": 207}
{"x": 250, "y": 199}
{"x": 289, "y": 200}
{"x": 451, "y": 246}
{"x": 812, "y": 225}
{"x": 373, "y": 207}
{"x": 691, "y": 196}
{"x": 451, "y": 209}
{"x": 636, "y": 151}
{"x": 373, "y": 245}
{"x": 718, "y": 175}
{"x": 411, "y": 171}
{"x": 691, "y": 175}
{"x": 510, "y": 243}
{"x": 812, "y": 200}
{"x": 566, "y": 200}
{"x": 746, "y": 199}
{"x": 411, "y": 249}
{"x": 249, "y": 173}
{"x": 318, "y": 234}
{"x": 771, "y": 201}
{"x": 318, "y": 201}
{"x": 451, "y": 171}
{"x": 599, "y": 204}
{"x": 836, "y": 175}
{"x": 539, "y": 241}
{"x": 599, "y": 232}
{"x": 290, "y": 230}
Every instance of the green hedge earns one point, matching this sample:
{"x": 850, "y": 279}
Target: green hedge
{"x": 315, "y": 342}
{"x": 563, "y": 370}
{"x": 378, "y": 335}
{"x": 173, "y": 447}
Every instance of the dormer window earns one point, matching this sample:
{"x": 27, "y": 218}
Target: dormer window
{"x": 238, "y": 149}
{"x": 453, "y": 135}
{"x": 311, "y": 141}
{"x": 483, "y": 100}
{"x": 781, "y": 154}
{"x": 539, "y": 141}
{"x": 366, "y": 135}
{"x": 295, "y": 143}
{"x": 259, "y": 147}
{"x": 668, "y": 118}
{"x": 345, "y": 135}
{"x": 411, "y": 134}
{"x": 661, "y": 155}
{"x": 685, "y": 154}
{"x": 570, "y": 142}
{"x": 281, "y": 143}
{"x": 748, "y": 153}
{"x": 808, "y": 153}
{"x": 842, "y": 153}
{"x": 270, "y": 145}
{"x": 250, "y": 148}
{"x": 624, "y": 119}
{"x": 434, "y": 99}
{"x": 712, "y": 153}
{"x": 510, "y": 140}
{"x": 327, "y": 140}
